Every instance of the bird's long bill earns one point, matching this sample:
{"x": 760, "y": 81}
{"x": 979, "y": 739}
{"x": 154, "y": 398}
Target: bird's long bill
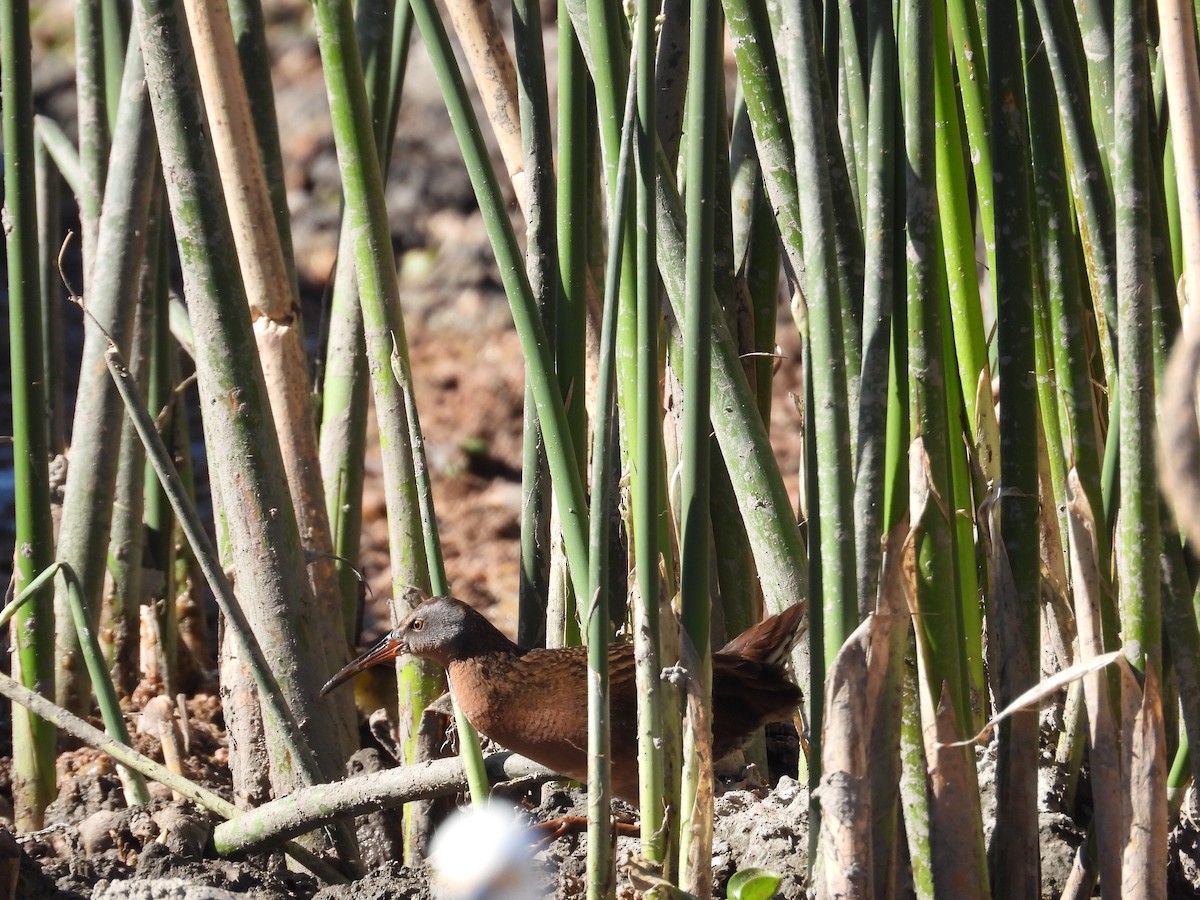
{"x": 385, "y": 649}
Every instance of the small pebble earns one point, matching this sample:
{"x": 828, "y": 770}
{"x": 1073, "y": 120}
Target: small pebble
{"x": 183, "y": 833}
{"x": 98, "y": 832}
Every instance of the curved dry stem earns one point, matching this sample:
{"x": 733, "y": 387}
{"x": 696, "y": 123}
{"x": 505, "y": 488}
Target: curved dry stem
{"x": 312, "y": 807}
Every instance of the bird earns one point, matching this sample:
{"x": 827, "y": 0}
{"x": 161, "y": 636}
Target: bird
{"x": 534, "y": 702}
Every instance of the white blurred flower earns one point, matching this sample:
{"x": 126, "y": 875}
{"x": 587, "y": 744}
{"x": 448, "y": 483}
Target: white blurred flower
{"x": 483, "y": 854}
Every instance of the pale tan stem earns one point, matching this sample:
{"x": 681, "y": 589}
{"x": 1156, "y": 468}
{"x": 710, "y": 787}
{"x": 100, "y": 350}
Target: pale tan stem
{"x": 1178, "y": 30}
{"x": 492, "y": 67}
{"x": 158, "y": 720}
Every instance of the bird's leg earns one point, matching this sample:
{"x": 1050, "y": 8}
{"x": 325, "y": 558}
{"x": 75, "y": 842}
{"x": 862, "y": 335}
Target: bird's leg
{"x": 564, "y": 826}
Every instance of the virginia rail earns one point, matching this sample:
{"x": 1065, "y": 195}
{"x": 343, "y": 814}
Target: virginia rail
{"x": 534, "y": 702}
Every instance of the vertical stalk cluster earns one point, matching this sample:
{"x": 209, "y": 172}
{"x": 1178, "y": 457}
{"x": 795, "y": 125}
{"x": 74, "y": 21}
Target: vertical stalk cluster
{"x": 976, "y": 430}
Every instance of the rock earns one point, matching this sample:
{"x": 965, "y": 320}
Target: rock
{"x": 182, "y": 832}
{"x": 771, "y": 833}
{"x": 160, "y": 889}
{"x": 98, "y": 832}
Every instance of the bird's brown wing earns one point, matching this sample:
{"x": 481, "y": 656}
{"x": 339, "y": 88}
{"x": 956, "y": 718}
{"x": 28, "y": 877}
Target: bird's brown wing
{"x": 747, "y": 694}
{"x": 536, "y": 705}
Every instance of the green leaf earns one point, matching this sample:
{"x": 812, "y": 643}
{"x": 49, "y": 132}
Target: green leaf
{"x": 753, "y": 884}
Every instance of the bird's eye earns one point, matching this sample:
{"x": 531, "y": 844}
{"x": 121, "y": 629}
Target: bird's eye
{"x": 417, "y": 624}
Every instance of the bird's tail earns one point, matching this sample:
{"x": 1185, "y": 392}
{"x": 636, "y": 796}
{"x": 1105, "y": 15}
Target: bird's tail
{"x": 771, "y": 640}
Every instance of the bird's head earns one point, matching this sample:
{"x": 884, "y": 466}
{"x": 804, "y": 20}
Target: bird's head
{"x": 442, "y": 629}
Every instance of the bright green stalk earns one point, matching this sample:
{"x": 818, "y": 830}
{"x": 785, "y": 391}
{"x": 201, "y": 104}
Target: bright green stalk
{"x": 970, "y": 56}
{"x": 111, "y": 299}
{"x": 1179, "y": 776}
{"x": 1138, "y": 543}
{"x": 1139, "y": 531}
{"x": 970, "y": 618}
{"x": 825, "y": 343}
{"x": 965, "y": 353}
{"x": 1171, "y": 190}
{"x": 32, "y": 633}
{"x": 1015, "y": 605}
{"x": 571, "y": 194}
{"x": 958, "y": 235}
{"x": 568, "y": 485}
{"x": 936, "y": 588}
{"x": 695, "y": 599}
{"x": 157, "y": 516}
{"x": 647, "y": 465}
{"x": 601, "y": 880}
{"x": 609, "y": 34}
{"x": 346, "y": 382}
{"x": 817, "y": 659}
{"x": 895, "y": 470}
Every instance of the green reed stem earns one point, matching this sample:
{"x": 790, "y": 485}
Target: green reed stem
{"x": 542, "y": 268}
{"x": 33, "y": 632}
{"x": 601, "y": 873}
{"x": 1016, "y": 605}
{"x": 648, "y": 463}
{"x": 111, "y": 300}
{"x": 568, "y": 484}
{"x": 695, "y": 599}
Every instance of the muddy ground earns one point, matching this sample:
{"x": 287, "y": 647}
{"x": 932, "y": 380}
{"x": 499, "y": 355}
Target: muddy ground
{"x": 469, "y": 383}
